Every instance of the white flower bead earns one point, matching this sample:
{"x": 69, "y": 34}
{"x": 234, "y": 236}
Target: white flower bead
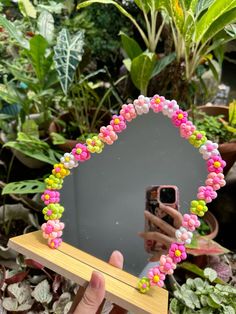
{"x": 69, "y": 161}
{"x": 183, "y": 235}
{"x": 142, "y": 105}
{"x": 209, "y": 149}
{"x": 169, "y": 107}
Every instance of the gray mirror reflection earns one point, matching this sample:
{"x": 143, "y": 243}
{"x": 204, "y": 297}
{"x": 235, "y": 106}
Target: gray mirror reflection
{"x": 104, "y": 198}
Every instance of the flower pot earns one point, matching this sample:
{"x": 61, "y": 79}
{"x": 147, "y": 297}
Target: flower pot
{"x": 212, "y": 222}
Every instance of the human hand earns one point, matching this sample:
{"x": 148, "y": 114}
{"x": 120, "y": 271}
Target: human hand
{"x": 166, "y": 235}
{"x": 91, "y": 299}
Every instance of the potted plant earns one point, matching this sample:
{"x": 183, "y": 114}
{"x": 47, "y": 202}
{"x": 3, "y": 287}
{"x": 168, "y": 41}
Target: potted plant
{"x": 203, "y": 296}
{"x": 219, "y": 122}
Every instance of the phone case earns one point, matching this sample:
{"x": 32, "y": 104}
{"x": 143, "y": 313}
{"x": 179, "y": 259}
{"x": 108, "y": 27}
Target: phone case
{"x": 152, "y": 205}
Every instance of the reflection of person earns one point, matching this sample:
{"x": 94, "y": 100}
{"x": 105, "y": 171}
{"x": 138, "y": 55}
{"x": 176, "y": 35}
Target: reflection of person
{"x": 91, "y": 299}
{"x": 164, "y": 237}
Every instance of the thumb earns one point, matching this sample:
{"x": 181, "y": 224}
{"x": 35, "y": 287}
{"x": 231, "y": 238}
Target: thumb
{"x": 93, "y": 296}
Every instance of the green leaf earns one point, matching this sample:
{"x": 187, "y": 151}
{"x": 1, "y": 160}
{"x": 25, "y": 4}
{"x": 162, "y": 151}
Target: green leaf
{"x": 141, "y": 70}
{"x": 130, "y": 46}
{"x": 162, "y": 63}
{"x": 24, "y": 187}
{"x": 14, "y": 32}
{"x": 46, "y": 25}
{"x": 212, "y": 303}
{"x": 177, "y": 14}
{"x": 57, "y": 138}
{"x": 35, "y": 151}
{"x": 38, "y": 46}
{"x": 210, "y": 273}
{"x": 143, "y": 5}
{"x": 27, "y": 9}
{"x": 232, "y": 113}
{"x": 228, "y": 309}
{"x": 219, "y": 24}
{"x": 214, "y": 12}
{"x": 42, "y": 292}
{"x": 127, "y": 62}
{"x": 8, "y": 97}
{"x": 215, "y": 69}
{"x": 30, "y": 127}
{"x": 68, "y": 54}
{"x": 202, "y": 5}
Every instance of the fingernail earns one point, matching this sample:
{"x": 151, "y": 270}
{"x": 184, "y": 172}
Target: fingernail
{"x": 95, "y": 280}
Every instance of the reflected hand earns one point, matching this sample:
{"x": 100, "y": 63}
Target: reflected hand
{"x": 166, "y": 235}
{"x": 91, "y": 299}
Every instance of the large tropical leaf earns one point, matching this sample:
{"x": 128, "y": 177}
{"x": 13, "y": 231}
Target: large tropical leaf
{"x": 35, "y": 151}
{"x": 68, "y": 54}
{"x": 14, "y": 32}
{"x": 203, "y": 5}
{"x": 46, "y": 25}
{"x": 162, "y": 63}
{"x": 177, "y": 13}
{"x": 220, "y": 24}
{"x": 27, "y": 9}
{"x": 130, "y": 46}
{"x": 24, "y": 187}
{"x": 37, "y": 52}
{"x": 214, "y": 12}
{"x": 141, "y": 70}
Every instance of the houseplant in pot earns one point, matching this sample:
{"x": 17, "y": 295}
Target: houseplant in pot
{"x": 204, "y": 296}
{"x": 219, "y": 122}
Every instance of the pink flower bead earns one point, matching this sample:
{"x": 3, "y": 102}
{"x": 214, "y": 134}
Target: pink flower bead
{"x": 177, "y": 252}
{"x": 54, "y": 243}
{"x": 170, "y": 107}
{"x": 216, "y": 164}
{"x": 167, "y": 265}
{"x": 190, "y": 222}
{"x": 81, "y": 152}
{"x": 50, "y": 196}
{"x": 52, "y": 229}
{"x": 156, "y": 277}
{"x": 179, "y": 117}
{"x": 118, "y": 123}
{"x": 216, "y": 180}
{"x": 209, "y": 149}
{"x": 206, "y": 193}
{"x": 142, "y": 105}
{"x": 183, "y": 235}
{"x": 107, "y": 135}
{"x": 128, "y": 112}
{"x": 157, "y": 102}
{"x": 187, "y": 129}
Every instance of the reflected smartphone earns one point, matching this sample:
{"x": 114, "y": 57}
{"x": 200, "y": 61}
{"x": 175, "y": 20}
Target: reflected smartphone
{"x": 165, "y": 194}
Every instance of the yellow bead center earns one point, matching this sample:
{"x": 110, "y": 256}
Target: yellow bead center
{"x": 157, "y": 101}
{"x": 78, "y": 150}
{"x": 46, "y": 197}
{"x": 117, "y": 121}
{"x": 199, "y": 207}
{"x": 180, "y": 116}
{"x": 177, "y": 253}
{"x": 67, "y": 159}
{"x": 156, "y": 278}
{"x": 217, "y": 164}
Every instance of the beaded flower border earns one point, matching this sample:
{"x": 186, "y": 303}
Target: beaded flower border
{"x": 52, "y": 228}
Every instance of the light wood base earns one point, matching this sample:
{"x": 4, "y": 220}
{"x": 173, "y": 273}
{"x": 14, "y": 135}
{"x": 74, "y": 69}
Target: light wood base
{"x": 77, "y": 265}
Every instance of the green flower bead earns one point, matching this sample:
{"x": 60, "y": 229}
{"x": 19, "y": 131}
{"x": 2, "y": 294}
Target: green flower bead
{"x": 198, "y": 207}
{"x": 53, "y": 211}
{"x": 144, "y": 285}
{"x": 198, "y": 138}
{"x": 53, "y": 183}
{"x": 94, "y": 145}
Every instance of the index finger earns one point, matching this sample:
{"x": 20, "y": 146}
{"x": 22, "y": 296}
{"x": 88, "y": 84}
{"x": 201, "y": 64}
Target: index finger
{"x": 175, "y": 214}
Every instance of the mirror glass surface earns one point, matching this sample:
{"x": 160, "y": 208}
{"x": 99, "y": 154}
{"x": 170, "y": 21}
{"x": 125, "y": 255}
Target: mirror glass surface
{"x": 104, "y": 198}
